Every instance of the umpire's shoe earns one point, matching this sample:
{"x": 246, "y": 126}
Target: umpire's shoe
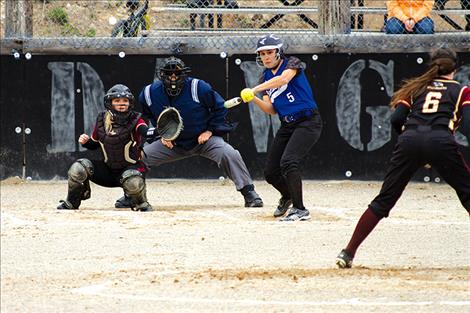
{"x": 124, "y": 202}
{"x": 65, "y": 205}
{"x": 252, "y": 199}
{"x": 344, "y": 260}
{"x": 296, "y": 214}
{"x": 282, "y": 207}
{"x": 143, "y": 207}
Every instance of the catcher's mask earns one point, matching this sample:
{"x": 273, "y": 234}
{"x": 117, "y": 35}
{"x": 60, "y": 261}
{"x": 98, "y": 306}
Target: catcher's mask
{"x": 269, "y": 42}
{"x": 173, "y": 84}
{"x": 115, "y": 92}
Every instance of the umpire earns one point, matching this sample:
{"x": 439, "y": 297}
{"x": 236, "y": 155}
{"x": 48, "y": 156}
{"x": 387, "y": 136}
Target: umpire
{"x": 203, "y": 115}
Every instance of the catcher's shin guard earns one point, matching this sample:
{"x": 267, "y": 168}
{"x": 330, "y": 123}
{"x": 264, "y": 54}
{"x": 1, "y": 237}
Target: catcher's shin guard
{"x": 78, "y": 182}
{"x": 133, "y": 184}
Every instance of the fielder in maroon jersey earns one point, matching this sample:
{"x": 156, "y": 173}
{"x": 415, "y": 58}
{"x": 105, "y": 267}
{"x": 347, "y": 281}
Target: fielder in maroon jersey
{"x": 428, "y": 109}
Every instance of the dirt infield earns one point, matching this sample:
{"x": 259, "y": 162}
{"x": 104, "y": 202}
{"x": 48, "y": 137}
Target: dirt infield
{"x": 202, "y": 251}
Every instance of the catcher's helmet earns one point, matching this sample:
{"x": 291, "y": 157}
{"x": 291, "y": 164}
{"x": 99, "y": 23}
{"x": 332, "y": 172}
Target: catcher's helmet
{"x": 115, "y": 92}
{"x": 269, "y": 42}
{"x": 172, "y": 66}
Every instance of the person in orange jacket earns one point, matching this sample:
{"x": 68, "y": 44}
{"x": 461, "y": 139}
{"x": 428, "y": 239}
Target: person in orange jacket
{"x": 409, "y": 17}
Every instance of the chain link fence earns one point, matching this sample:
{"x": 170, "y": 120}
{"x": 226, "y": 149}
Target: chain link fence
{"x": 180, "y": 26}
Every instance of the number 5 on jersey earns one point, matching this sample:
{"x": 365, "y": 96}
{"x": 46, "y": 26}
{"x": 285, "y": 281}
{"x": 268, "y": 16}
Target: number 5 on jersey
{"x": 290, "y": 97}
{"x": 432, "y": 102}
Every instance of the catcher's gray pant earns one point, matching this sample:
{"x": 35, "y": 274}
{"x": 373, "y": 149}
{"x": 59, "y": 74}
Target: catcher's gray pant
{"x": 215, "y": 149}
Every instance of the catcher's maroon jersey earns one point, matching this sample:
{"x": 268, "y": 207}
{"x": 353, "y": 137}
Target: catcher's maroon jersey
{"x": 441, "y": 104}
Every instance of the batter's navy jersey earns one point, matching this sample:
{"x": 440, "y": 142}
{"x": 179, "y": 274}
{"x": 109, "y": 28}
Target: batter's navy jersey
{"x": 440, "y": 104}
{"x": 294, "y": 96}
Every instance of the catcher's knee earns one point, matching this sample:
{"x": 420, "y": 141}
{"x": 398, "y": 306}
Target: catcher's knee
{"x": 80, "y": 170}
{"x": 133, "y": 182}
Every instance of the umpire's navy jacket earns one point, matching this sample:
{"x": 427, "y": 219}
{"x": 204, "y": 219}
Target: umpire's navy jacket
{"x": 201, "y": 109}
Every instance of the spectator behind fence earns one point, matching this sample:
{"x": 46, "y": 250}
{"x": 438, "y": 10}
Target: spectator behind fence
{"x": 231, "y": 4}
{"x": 465, "y": 4}
{"x": 138, "y": 22}
{"x": 409, "y": 17}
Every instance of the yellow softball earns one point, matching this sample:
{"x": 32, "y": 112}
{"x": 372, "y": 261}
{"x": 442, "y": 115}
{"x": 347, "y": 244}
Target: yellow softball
{"x": 247, "y": 95}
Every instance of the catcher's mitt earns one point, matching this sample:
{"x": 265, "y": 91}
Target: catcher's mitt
{"x": 169, "y": 124}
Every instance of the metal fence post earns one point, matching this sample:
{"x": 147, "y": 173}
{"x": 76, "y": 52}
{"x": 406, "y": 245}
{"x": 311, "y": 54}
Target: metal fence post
{"x": 334, "y": 17}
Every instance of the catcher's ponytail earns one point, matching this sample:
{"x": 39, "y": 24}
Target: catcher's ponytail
{"x": 108, "y": 122}
{"x": 443, "y": 62}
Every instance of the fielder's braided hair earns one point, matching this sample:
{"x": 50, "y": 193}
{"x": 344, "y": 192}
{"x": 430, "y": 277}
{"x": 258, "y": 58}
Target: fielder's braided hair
{"x": 443, "y": 62}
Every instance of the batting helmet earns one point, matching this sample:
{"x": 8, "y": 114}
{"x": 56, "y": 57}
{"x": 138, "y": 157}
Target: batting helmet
{"x": 173, "y": 85}
{"x": 269, "y": 42}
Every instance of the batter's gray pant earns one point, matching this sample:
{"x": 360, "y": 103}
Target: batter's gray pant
{"x": 215, "y": 149}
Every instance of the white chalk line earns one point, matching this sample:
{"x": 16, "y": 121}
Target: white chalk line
{"x": 341, "y": 213}
{"x": 96, "y": 290}
{"x": 10, "y": 219}
{"x": 224, "y": 215}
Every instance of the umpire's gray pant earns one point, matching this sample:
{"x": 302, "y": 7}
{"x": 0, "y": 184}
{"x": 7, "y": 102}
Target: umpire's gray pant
{"x": 215, "y": 149}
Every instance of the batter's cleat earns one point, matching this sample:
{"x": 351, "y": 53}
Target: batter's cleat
{"x": 344, "y": 260}
{"x": 143, "y": 207}
{"x": 124, "y": 202}
{"x": 253, "y": 200}
{"x": 282, "y": 207}
{"x": 65, "y": 205}
{"x": 296, "y": 214}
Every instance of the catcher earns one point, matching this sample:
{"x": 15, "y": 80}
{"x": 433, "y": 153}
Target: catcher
{"x": 203, "y": 114}
{"x": 118, "y": 132}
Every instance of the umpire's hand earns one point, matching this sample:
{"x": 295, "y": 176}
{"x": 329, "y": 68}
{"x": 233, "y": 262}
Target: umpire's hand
{"x": 167, "y": 143}
{"x": 204, "y": 137}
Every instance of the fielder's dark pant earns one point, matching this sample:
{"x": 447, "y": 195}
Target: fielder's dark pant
{"x": 415, "y": 148}
{"x": 291, "y": 145}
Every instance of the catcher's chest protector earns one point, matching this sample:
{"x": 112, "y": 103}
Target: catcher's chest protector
{"x": 119, "y": 147}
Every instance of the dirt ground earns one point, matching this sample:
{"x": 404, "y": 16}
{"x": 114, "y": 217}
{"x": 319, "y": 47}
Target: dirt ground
{"x": 202, "y": 251}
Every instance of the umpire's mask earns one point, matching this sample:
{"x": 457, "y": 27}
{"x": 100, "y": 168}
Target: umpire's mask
{"x": 173, "y": 74}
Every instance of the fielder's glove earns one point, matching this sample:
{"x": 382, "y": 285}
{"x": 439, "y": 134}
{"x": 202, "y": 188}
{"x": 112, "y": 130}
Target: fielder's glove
{"x": 169, "y": 124}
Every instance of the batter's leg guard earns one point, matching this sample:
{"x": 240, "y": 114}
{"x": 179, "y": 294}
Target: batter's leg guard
{"x": 78, "y": 184}
{"x": 133, "y": 184}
